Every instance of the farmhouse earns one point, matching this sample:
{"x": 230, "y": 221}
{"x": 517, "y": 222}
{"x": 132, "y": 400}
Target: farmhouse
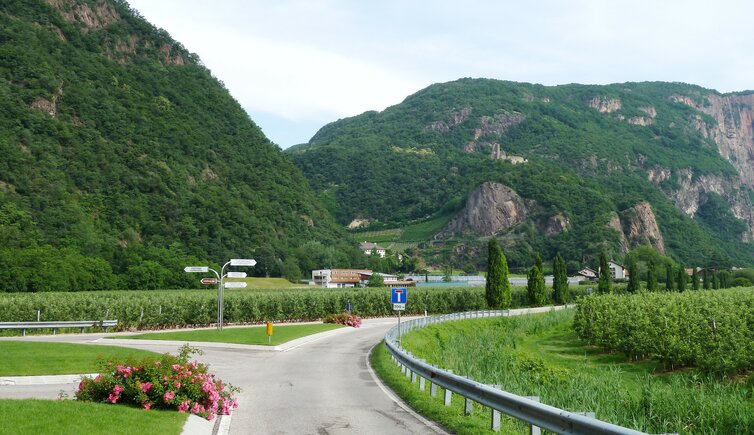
{"x": 338, "y": 278}
{"x": 587, "y": 273}
{"x": 617, "y": 271}
{"x": 369, "y": 247}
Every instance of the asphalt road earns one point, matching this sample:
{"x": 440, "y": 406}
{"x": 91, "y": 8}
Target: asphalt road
{"x": 318, "y": 387}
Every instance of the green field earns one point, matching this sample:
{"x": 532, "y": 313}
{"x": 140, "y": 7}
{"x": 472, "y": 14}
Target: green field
{"x": 36, "y": 358}
{"x": 540, "y": 355}
{"x": 253, "y": 335}
{"x": 65, "y": 417}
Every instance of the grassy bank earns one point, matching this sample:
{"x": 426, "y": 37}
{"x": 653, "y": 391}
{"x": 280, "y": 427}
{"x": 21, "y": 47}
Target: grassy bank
{"x": 540, "y": 355}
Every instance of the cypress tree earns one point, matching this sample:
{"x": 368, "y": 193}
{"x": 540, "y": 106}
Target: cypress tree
{"x": 538, "y": 263}
{"x": 494, "y": 285}
{"x": 651, "y": 277}
{"x": 669, "y": 279}
{"x": 633, "y": 276}
{"x": 705, "y": 279}
{"x": 715, "y": 281}
{"x": 695, "y": 280}
{"x": 605, "y": 284}
{"x": 560, "y": 293}
{"x": 535, "y": 287}
{"x": 682, "y": 277}
{"x": 497, "y": 289}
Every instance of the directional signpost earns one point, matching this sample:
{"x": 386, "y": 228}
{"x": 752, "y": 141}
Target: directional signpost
{"x": 399, "y": 297}
{"x": 220, "y": 281}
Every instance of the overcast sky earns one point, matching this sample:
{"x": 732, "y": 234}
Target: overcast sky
{"x": 296, "y": 65}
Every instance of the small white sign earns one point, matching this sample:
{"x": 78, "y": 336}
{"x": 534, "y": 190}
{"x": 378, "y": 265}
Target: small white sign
{"x": 235, "y": 284}
{"x": 242, "y": 262}
{"x": 236, "y": 275}
{"x": 399, "y": 307}
{"x": 198, "y": 269}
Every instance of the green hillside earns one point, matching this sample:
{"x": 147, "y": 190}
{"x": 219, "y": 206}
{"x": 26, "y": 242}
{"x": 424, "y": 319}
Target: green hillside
{"x": 124, "y": 159}
{"x": 419, "y": 160}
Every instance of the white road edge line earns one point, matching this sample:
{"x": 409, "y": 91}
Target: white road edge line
{"x": 398, "y": 401}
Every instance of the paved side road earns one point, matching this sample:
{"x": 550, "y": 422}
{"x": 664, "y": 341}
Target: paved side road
{"x": 318, "y": 385}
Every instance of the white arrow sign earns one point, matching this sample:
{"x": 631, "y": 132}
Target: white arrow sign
{"x": 236, "y": 275}
{"x": 242, "y": 262}
{"x": 198, "y": 269}
{"x": 235, "y": 284}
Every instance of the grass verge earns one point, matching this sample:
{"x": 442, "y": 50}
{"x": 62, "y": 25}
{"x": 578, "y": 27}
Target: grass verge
{"x": 540, "y": 355}
{"x": 452, "y": 417}
{"x": 68, "y": 417}
{"x": 23, "y": 358}
{"x": 252, "y": 335}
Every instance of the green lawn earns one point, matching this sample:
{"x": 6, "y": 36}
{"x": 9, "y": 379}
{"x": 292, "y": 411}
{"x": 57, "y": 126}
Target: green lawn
{"x": 252, "y": 335}
{"x": 23, "y": 358}
{"x": 540, "y": 355}
{"x": 71, "y": 417}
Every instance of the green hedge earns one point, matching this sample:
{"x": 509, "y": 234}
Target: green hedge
{"x": 199, "y": 307}
{"x": 710, "y": 330}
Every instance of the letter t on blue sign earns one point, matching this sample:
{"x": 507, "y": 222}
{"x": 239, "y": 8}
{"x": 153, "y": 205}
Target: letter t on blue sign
{"x": 398, "y": 295}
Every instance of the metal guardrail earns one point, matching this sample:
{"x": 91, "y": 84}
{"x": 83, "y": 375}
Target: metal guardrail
{"x": 59, "y": 324}
{"x": 537, "y": 414}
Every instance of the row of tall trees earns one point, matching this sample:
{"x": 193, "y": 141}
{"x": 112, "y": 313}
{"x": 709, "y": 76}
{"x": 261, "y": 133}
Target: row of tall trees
{"x": 498, "y": 289}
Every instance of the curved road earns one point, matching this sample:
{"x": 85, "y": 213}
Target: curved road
{"x": 320, "y": 385}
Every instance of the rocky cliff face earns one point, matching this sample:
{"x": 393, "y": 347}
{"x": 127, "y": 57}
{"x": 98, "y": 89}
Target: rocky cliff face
{"x": 693, "y": 190}
{"x": 734, "y": 129}
{"x": 491, "y": 208}
{"x": 637, "y": 226}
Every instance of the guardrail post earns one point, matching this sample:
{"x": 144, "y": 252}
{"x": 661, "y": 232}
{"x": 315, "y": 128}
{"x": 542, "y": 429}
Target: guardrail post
{"x": 495, "y": 421}
{"x": 448, "y": 397}
{"x": 422, "y": 382}
{"x": 587, "y": 414}
{"x": 468, "y": 406}
{"x": 408, "y": 372}
{"x": 535, "y": 430}
{"x": 413, "y": 377}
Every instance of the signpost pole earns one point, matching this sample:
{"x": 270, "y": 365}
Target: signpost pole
{"x": 399, "y": 327}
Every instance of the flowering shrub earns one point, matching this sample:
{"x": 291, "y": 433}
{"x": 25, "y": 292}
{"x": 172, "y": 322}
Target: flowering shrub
{"x": 344, "y": 319}
{"x": 170, "y": 382}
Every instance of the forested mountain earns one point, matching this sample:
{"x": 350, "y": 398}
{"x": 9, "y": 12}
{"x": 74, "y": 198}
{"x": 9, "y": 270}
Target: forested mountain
{"x": 577, "y": 169}
{"x": 124, "y": 159}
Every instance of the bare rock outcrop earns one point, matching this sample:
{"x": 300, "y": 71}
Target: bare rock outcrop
{"x": 455, "y": 118}
{"x": 734, "y": 129}
{"x": 491, "y": 208}
{"x": 555, "y": 225}
{"x": 604, "y": 104}
{"x": 615, "y": 224}
{"x": 98, "y": 16}
{"x": 640, "y": 227}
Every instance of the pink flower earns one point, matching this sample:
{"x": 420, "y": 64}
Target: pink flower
{"x": 208, "y": 386}
{"x": 167, "y": 397}
{"x": 112, "y": 398}
{"x": 184, "y": 406}
{"x": 146, "y": 386}
{"x": 147, "y": 405}
{"x": 117, "y": 389}
{"x": 211, "y": 417}
{"x": 197, "y": 408}
{"x": 82, "y": 384}
{"x": 177, "y": 385}
{"x": 176, "y": 367}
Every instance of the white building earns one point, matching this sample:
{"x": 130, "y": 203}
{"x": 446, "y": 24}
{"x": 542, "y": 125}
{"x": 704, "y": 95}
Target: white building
{"x": 338, "y": 278}
{"x": 369, "y": 247}
{"x": 617, "y": 271}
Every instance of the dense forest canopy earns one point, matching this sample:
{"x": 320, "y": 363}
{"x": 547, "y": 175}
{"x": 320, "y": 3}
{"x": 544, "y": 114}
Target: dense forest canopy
{"x": 124, "y": 159}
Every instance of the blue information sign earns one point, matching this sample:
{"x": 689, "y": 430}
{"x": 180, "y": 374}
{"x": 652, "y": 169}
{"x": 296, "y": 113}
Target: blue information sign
{"x": 399, "y": 295}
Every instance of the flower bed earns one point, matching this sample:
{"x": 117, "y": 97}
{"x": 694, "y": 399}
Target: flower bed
{"x": 344, "y": 319}
{"x": 170, "y": 382}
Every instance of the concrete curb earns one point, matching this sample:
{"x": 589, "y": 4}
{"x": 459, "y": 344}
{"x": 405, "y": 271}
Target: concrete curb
{"x": 43, "y": 380}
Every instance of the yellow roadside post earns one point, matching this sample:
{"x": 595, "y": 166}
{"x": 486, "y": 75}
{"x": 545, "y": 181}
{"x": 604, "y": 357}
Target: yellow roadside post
{"x": 269, "y": 332}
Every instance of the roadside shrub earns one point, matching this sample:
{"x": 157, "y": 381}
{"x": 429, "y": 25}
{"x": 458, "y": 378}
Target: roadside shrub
{"x": 170, "y": 382}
